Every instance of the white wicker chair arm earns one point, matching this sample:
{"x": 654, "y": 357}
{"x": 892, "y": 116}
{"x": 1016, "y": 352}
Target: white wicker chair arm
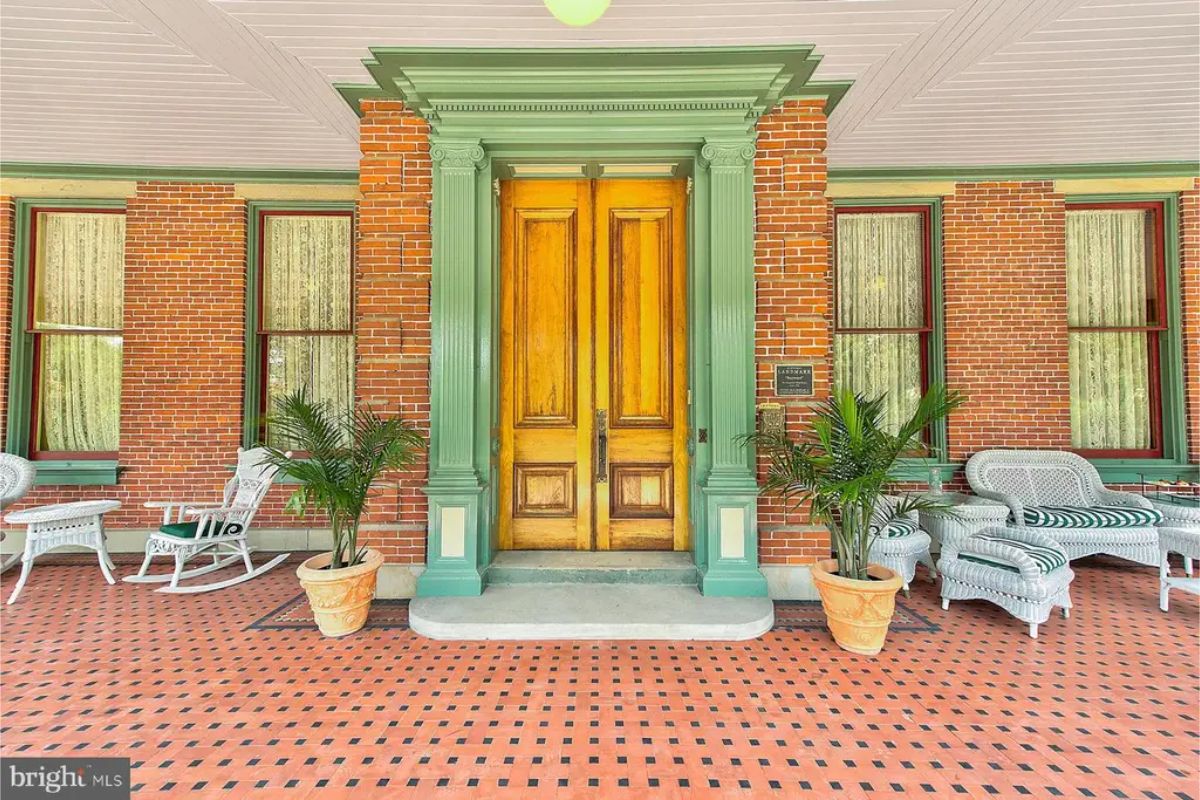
{"x": 999, "y": 550}
{"x": 1111, "y": 497}
{"x": 1015, "y": 506}
{"x": 1026, "y": 535}
{"x": 216, "y": 512}
{"x": 176, "y": 503}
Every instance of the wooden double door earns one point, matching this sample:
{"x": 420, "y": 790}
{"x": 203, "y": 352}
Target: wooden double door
{"x": 593, "y": 386}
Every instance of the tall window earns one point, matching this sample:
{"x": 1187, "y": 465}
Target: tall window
{"x": 1116, "y": 285}
{"x": 883, "y": 298}
{"x": 305, "y": 329}
{"x": 77, "y": 263}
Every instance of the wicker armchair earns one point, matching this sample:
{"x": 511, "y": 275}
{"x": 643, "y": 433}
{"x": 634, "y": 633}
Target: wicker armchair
{"x": 1061, "y": 495}
{"x": 902, "y": 544}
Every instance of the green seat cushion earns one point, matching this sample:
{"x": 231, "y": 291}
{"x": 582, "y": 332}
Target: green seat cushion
{"x": 187, "y": 530}
{"x": 1047, "y": 559}
{"x": 1090, "y": 516}
{"x": 899, "y": 528}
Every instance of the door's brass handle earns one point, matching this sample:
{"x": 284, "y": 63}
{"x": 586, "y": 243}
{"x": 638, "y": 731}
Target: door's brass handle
{"x": 601, "y": 445}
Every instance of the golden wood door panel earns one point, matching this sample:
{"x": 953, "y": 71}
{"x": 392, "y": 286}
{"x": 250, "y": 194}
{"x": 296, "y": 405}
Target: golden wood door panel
{"x": 593, "y": 324}
{"x": 545, "y": 475}
{"x": 640, "y": 344}
{"x": 642, "y": 341}
{"x": 544, "y": 490}
{"x": 544, "y": 317}
{"x": 642, "y": 491}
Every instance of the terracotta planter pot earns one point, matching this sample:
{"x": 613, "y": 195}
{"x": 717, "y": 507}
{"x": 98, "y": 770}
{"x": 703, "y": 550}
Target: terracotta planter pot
{"x": 340, "y": 598}
{"x": 858, "y": 612}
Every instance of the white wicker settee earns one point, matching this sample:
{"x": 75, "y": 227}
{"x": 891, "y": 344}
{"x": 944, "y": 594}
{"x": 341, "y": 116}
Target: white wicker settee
{"x": 1061, "y": 495}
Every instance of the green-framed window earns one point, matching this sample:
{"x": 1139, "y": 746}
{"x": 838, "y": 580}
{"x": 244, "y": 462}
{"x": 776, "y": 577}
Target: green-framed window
{"x": 1125, "y": 335}
{"x": 64, "y": 401}
{"x": 299, "y": 308}
{"x": 887, "y": 307}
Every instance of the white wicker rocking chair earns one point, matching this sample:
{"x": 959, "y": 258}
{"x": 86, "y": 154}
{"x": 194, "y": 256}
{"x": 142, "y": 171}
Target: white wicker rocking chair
{"x": 218, "y": 530}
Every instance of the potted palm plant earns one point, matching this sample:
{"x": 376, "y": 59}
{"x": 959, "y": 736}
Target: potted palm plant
{"x": 841, "y": 466}
{"x": 340, "y": 456}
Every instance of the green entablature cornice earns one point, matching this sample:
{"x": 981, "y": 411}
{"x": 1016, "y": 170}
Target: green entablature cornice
{"x": 630, "y": 90}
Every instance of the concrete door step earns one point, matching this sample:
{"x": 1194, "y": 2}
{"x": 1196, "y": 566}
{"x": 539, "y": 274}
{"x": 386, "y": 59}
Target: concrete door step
{"x": 591, "y": 611}
{"x": 558, "y": 566}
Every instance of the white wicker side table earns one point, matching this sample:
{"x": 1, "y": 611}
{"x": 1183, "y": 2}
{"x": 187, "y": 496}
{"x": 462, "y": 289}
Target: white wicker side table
{"x": 49, "y": 527}
{"x": 972, "y": 514}
{"x": 1179, "y": 532}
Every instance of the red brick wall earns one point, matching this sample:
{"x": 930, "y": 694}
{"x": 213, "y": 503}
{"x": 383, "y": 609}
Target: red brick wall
{"x": 7, "y": 223}
{"x": 392, "y": 303}
{"x": 1005, "y": 289}
{"x": 1189, "y": 257}
{"x": 1005, "y": 292}
{"x": 181, "y": 405}
{"x": 793, "y": 322}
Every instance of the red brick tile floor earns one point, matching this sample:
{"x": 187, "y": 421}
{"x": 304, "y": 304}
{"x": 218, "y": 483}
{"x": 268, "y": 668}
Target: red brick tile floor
{"x": 1102, "y": 705}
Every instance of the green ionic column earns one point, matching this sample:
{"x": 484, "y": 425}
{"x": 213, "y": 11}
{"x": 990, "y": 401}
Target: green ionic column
{"x": 730, "y": 491}
{"x": 454, "y": 488}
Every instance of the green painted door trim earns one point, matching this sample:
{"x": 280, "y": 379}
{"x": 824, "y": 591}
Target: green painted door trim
{"x": 487, "y": 111}
{"x": 20, "y": 365}
{"x": 25, "y": 169}
{"x": 458, "y": 535}
{"x": 730, "y": 488}
{"x": 534, "y": 93}
{"x": 252, "y": 396}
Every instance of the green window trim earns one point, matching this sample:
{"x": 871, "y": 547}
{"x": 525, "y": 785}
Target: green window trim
{"x": 77, "y": 472}
{"x": 252, "y": 401}
{"x": 936, "y": 357}
{"x": 1174, "y": 462}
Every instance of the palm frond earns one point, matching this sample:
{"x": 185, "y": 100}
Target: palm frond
{"x": 345, "y": 454}
{"x": 841, "y": 466}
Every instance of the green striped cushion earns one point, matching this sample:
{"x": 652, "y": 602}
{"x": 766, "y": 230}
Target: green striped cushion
{"x": 1090, "y": 517}
{"x": 1047, "y": 559}
{"x": 188, "y": 530}
{"x": 899, "y": 528}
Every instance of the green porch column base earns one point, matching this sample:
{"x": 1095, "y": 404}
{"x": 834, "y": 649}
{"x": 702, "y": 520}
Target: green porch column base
{"x": 731, "y": 540}
{"x": 733, "y": 583}
{"x": 452, "y": 552}
{"x": 449, "y": 582}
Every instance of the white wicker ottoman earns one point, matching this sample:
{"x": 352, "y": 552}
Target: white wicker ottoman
{"x": 1024, "y": 572}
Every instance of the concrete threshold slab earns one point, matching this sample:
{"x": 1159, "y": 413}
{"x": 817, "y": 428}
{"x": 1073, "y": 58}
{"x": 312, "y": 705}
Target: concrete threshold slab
{"x": 591, "y": 611}
{"x": 553, "y": 566}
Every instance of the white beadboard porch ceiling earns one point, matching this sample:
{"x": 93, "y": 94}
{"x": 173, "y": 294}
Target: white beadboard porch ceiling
{"x": 246, "y": 83}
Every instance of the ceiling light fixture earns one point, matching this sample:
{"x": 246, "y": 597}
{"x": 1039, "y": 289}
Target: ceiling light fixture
{"x": 577, "y": 13}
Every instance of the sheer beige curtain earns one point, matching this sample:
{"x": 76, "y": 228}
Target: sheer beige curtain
{"x": 1107, "y": 287}
{"x": 306, "y": 307}
{"x": 880, "y": 285}
{"x": 77, "y": 319}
